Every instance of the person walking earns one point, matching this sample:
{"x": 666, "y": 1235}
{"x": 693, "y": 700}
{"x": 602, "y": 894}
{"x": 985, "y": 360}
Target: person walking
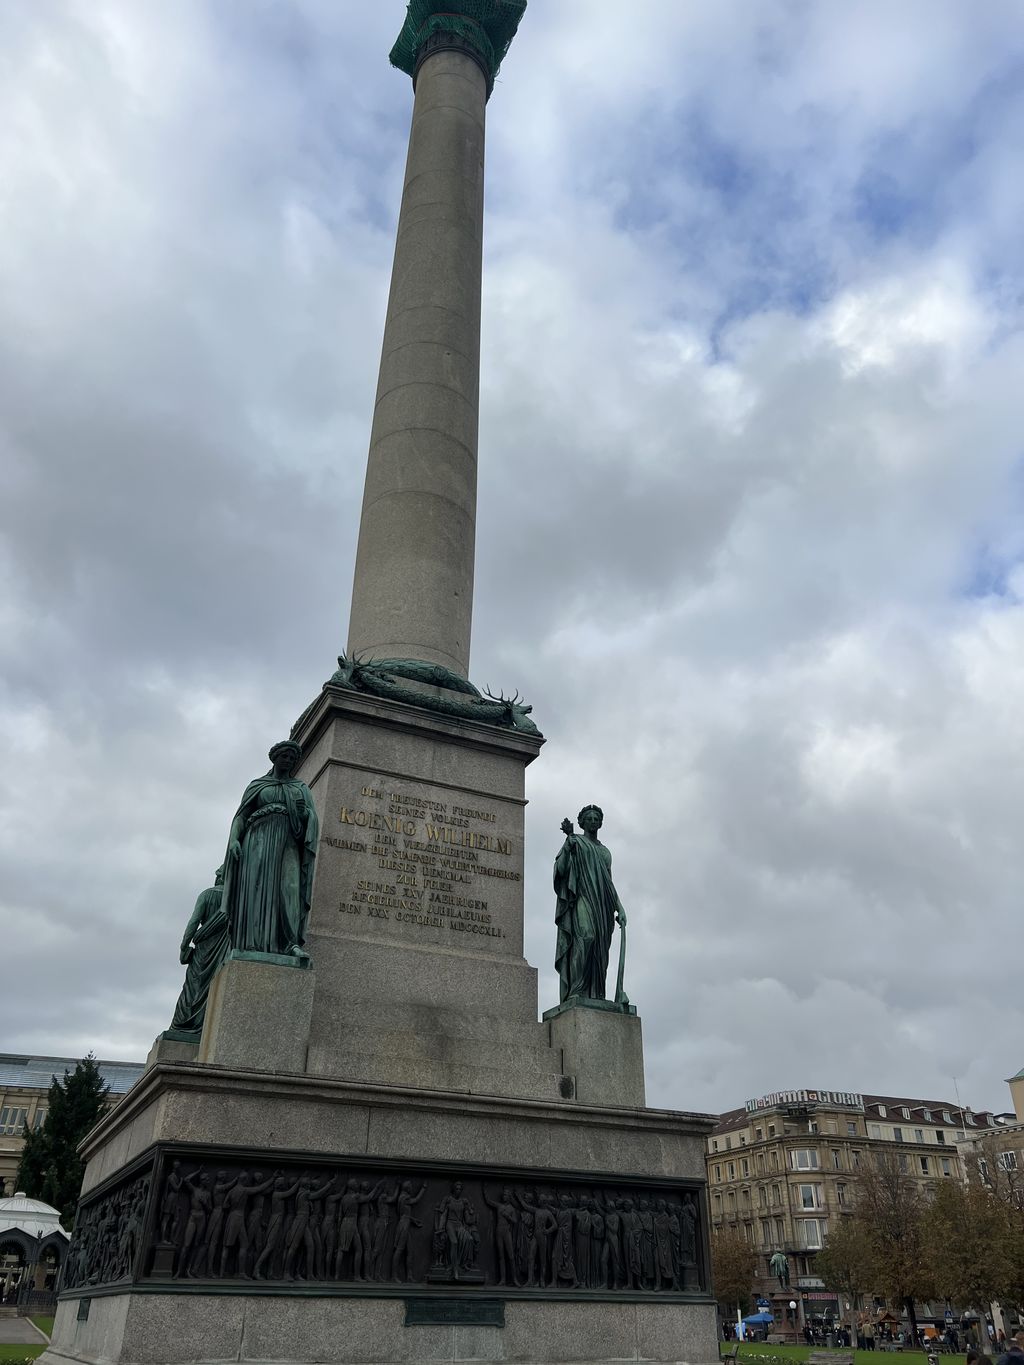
{"x": 1014, "y": 1353}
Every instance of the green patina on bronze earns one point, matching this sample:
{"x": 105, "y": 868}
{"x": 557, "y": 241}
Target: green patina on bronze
{"x": 380, "y": 677}
{"x": 203, "y": 948}
{"x": 268, "y": 882}
{"x": 488, "y": 26}
{"x": 587, "y": 910}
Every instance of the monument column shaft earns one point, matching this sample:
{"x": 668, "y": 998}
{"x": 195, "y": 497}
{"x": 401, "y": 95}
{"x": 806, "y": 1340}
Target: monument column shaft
{"x": 413, "y": 591}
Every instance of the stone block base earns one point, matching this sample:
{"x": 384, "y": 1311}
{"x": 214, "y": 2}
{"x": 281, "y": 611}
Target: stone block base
{"x": 603, "y": 1049}
{"x": 258, "y": 1016}
{"x": 177, "y": 1329}
{"x": 171, "y": 1050}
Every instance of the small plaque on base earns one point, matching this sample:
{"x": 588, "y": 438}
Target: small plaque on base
{"x": 445, "y": 1312}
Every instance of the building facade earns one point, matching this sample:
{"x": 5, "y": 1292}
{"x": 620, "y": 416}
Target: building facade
{"x": 24, "y": 1088}
{"x": 781, "y": 1171}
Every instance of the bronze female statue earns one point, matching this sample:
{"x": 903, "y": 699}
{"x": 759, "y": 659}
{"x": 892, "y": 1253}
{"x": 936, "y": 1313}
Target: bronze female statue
{"x": 204, "y": 946}
{"x": 268, "y": 880}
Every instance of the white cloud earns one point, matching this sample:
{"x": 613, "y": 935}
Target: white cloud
{"x": 750, "y": 484}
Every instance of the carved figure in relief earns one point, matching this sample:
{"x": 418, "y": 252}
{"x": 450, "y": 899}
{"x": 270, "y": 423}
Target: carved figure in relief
{"x": 546, "y": 1226}
{"x": 563, "y": 1266}
{"x": 506, "y": 1219}
{"x": 688, "y": 1241}
{"x": 583, "y": 1245}
{"x": 268, "y": 877}
{"x": 407, "y": 1201}
{"x": 380, "y": 1233}
{"x": 664, "y": 1272}
{"x": 298, "y": 1236}
{"x": 647, "y": 1243}
{"x": 200, "y": 1204}
{"x": 612, "y": 1240}
{"x": 632, "y": 1232}
{"x": 349, "y": 1237}
{"x": 236, "y": 1232}
{"x": 254, "y": 1218}
{"x": 599, "y": 1250}
{"x": 527, "y": 1244}
{"x": 456, "y": 1236}
{"x": 131, "y": 1240}
{"x": 587, "y": 909}
{"x": 280, "y": 1193}
{"x": 211, "y": 1242}
{"x": 170, "y": 1205}
{"x": 675, "y": 1239}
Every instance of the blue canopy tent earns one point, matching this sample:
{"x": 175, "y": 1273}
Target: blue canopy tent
{"x": 760, "y": 1318}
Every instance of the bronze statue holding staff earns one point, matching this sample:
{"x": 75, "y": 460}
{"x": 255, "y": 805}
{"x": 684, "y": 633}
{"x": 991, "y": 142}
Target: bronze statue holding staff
{"x": 587, "y": 910}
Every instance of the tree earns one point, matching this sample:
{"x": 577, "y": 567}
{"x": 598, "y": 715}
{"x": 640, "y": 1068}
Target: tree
{"x": 846, "y": 1262}
{"x": 971, "y": 1245}
{"x": 50, "y": 1167}
{"x": 890, "y": 1211}
{"x": 733, "y": 1267}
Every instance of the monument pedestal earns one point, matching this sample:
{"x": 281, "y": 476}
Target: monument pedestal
{"x": 602, "y": 1049}
{"x": 258, "y": 1014}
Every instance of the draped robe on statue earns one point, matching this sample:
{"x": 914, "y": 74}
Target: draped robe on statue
{"x": 267, "y": 890}
{"x": 208, "y": 930}
{"x": 584, "y": 915}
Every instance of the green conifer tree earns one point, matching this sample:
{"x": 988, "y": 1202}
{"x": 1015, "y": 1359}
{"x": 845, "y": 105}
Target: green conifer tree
{"x": 50, "y": 1168}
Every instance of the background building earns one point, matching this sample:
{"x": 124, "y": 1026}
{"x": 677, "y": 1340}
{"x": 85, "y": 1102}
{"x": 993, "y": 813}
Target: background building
{"x": 33, "y": 1246}
{"x": 780, "y": 1170}
{"x": 24, "y": 1084}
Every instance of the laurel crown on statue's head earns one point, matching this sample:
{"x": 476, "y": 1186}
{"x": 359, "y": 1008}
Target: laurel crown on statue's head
{"x": 597, "y": 811}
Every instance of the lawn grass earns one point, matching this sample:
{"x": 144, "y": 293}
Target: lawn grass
{"x": 17, "y": 1352}
{"x": 44, "y": 1325}
{"x": 755, "y": 1351}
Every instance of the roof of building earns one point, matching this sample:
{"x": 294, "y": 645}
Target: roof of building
{"x": 873, "y": 1104}
{"x": 28, "y": 1215}
{"x": 36, "y": 1073}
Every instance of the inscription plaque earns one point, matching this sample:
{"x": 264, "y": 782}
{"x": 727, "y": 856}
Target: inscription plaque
{"x": 445, "y": 1312}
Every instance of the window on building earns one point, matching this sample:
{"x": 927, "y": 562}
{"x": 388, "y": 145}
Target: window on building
{"x": 12, "y": 1121}
{"x": 758, "y": 1134}
{"x": 804, "y": 1159}
{"x": 947, "y": 1166}
{"x": 940, "y": 1136}
{"x": 732, "y": 1170}
{"x": 745, "y": 1164}
{"x": 732, "y": 1201}
{"x": 811, "y": 1233}
{"x": 927, "y": 1116}
{"x": 904, "y": 1163}
{"x": 855, "y": 1160}
{"x": 762, "y": 1197}
{"x": 771, "y": 1130}
{"x": 718, "y": 1206}
{"x": 905, "y": 1112}
{"x": 919, "y": 1135}
{"x": 983, "y": 1169}
{"x": 718, "y": 1174}
{"x": 760, "y": 1163}
{"x": 874, "y": 1130}
{"x": 841, "y": 1195}
{"x": 40, "y": 1118}
{"x": 714, "y": 1144}
{"x": 1008, "y": 1161}
{"x": 743, "y": 1139}
{"x": 748, "y": 1232}
{"x": 776, "y": 1194}
{"x": 969, "y": 1119}
{"x": 775, "y": 1161}
{"x": 837, "y": 1160}
{"x": 780, "y": 1231}
{"x": 766, "y": 1233}
{"x": 810, "y": 1197}
{"x": 812, "y": 1125}
{"x": 851, "y": 1129}
{"x": 728, "y": 1144}
{"x": 882, "y": 1111}
{"x": 897, "y": 1135}
{"x": 946, "y": 1116}
{"x": 924, "y": 1165}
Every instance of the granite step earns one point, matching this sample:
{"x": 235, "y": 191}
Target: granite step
{"x": 516, "y": 1082}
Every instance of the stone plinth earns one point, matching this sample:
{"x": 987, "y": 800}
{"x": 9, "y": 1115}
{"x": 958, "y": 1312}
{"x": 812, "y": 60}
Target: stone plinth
{"x": 416, "y": 928}
{"x": 168, "y": 1307}
{"x": 602, "y": 1049}
{"x": 258, "y": 1016}
{"x": 171, "y": 1050}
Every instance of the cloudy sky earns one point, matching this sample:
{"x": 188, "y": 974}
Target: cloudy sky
{"x": 750, "y": 529}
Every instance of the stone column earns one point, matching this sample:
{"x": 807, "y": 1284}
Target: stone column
{"x": 413, "y": 590}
